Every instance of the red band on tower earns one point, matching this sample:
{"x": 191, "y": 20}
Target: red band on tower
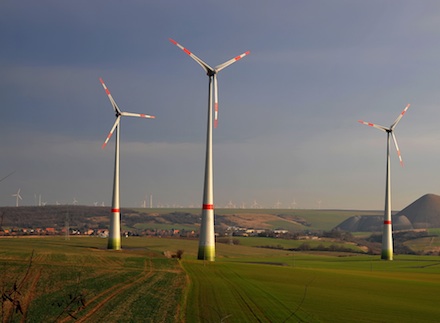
{"x": 115, "y": 210}
{"x": 386, "y": 222}
{"x": 208, "y": 206}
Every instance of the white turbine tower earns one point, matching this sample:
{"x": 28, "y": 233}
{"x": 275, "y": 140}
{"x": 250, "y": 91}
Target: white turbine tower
{"x": 114, "y": 236}
{"x": 207, "y": 240}
{"x": 387, "y": 235}
{"x": 17, "y": 196}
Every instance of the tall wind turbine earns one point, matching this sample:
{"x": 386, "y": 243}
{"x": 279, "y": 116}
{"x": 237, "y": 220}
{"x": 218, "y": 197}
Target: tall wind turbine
{"x": 207, "y": 239}
{"x": 114, "y": 236}
{"x": 387, "y": 235}
{"x": 17, "y": 196}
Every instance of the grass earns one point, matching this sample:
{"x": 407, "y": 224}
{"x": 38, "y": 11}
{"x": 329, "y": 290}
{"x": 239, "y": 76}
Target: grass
{"x": 434, "y": 231}
{"x": 315, "y": 289}
{"x": 165, "y": 226}
{"x": 80, "y": 278}
{"x": 292, "y": 244}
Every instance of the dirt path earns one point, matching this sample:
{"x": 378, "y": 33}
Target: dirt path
{"x": 30, "y": 295}
{"x": 111, "y": 293}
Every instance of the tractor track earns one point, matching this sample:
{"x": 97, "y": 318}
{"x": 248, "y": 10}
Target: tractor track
{"x": 111, "y": 293}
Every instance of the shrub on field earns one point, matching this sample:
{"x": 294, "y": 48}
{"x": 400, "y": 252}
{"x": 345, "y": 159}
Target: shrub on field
{"x": 304, "y": 247}
{"x": 227, "y": 240}
{"x": 179, "y": 254}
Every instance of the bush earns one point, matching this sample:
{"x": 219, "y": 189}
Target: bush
{"x": 179, "y": 254}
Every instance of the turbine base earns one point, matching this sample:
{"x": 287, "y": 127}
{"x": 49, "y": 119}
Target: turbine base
{"x": 114, "y": 244}
{"x": 206, "y": 253}
{"x": 387, "y": 255}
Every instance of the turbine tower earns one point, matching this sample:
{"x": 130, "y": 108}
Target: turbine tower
{"x": 114, "y": 236}
{"x": 207, "y": 240}
{"x": 387, "y": 234}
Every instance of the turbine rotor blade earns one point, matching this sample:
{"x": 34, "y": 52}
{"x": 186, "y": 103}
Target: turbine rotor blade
{"x": 205, "y": 66}
{"x": 218, "y": 68}
{"x": 399, "y": 117}
{"x": 7, "y": 176}
{"x": 111, "y": 131}
{"x": 374, "y": 125}
{"x": 139, "y": 115}
{"x": 397, "y": 148}
{"x": 112, "y": 101}
{"x": 215, "y": 101}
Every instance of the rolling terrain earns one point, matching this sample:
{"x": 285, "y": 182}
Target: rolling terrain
{"x": 138, "y": 219}
{"x": 52, "y": 279}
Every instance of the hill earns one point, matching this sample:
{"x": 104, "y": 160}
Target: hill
{"x": 424, "y": 213}
{"x": 92, "y": 217}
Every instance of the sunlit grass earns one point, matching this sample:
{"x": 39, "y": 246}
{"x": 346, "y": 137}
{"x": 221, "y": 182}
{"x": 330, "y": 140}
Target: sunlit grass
{"x": 244, "y": 284}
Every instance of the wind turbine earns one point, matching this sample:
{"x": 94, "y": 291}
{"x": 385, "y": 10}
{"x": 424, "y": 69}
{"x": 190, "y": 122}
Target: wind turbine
{"x": 207, "y": 239}
{"x": 387, "y": 235}
{"x": 114, "y": 236}
{"x": 293, "y": 204}
{"x": 17, "y": 196}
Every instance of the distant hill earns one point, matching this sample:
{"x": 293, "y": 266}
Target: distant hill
{"x": 423, "y": 213}
{"x": 97, "y": 217}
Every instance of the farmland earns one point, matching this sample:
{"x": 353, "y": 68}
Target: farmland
{"x": 53, "y": 279}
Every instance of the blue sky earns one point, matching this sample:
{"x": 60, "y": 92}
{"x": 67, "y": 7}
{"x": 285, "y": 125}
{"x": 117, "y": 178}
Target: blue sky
{"x": 288, "y": 128}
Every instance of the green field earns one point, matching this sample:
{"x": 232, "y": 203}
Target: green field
{"x": 54, "y": 280}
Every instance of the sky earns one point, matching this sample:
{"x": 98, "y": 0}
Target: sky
{"x": 288, "y": 134}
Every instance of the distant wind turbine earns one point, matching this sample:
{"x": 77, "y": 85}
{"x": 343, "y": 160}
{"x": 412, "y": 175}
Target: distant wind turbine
{"x": 207, "y": 240}
{"x": 17, "y": 196}
{"x": 387, "y": 236}
{"x": 114, "y": 236}
{"x": 293, "y": 204}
